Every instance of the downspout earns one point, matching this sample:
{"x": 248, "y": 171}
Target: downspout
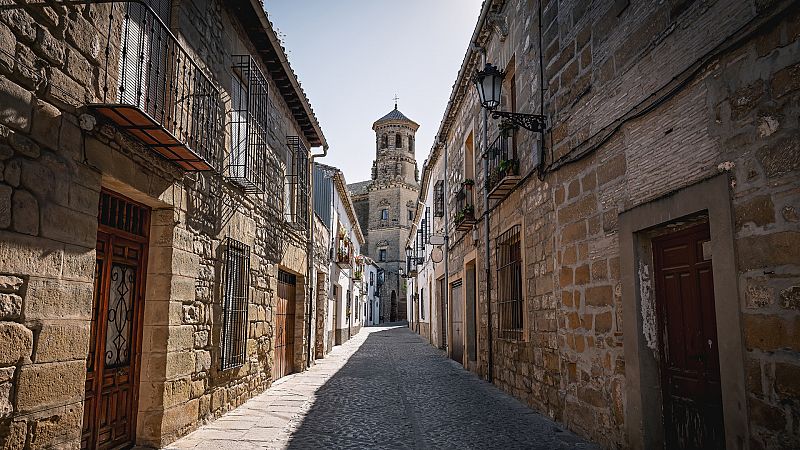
{"x": 487, "y": 249}
{"x": 446, "y": 249}
{"x": 311, "y": 257}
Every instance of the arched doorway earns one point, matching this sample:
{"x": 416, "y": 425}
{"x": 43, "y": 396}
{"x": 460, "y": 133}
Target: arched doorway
{"x": 393, "y": 310}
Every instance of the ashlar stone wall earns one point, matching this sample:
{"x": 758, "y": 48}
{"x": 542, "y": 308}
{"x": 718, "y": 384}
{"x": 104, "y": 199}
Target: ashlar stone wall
{"x": 725, "y": 76}
{"x": 51, "y": 174}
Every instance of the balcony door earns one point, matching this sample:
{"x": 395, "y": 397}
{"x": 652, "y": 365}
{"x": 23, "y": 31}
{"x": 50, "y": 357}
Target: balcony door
{"x": 143, "y": 63}
{"x": 457, "y": 314}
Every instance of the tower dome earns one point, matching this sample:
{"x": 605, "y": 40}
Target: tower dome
{"x": 394, "y": 148}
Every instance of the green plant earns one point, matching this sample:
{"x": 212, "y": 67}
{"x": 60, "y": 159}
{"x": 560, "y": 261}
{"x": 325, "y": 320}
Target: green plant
{"x": 468, "y": 182}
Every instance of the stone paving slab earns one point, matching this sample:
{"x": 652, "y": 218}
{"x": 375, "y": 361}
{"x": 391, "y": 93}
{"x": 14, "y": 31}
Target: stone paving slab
{"x": 386, "y": 388}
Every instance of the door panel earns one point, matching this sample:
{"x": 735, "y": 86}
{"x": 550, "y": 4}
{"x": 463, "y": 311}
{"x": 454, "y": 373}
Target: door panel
{"x": 457, "y": 313}
{"x": 283, "y": 363}
{"x": 112, "y": 365}
{"x": 688, "y": 341}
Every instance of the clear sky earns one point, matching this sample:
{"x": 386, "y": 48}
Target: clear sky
{"x": 353, "y": 56}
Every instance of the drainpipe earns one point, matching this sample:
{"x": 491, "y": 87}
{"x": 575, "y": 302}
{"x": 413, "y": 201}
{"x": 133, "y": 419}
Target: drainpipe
{"x": 487, "y": 249}
{"x": 446, "y": 249}
{"x": 310, "y": 275}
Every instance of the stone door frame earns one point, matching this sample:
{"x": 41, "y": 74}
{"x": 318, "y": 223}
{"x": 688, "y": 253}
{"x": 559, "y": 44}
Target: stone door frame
{"x": 643, "y": 394}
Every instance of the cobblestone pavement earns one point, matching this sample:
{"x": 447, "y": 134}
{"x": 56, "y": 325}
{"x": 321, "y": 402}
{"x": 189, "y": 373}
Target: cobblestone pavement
{"x": 386, "y": 388}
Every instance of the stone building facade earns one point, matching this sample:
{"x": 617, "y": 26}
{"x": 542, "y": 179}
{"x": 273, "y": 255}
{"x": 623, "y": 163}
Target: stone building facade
{"x": 671, "y": 154}
{"x": 145, "y": 261}
{"x": 385, "y": 206}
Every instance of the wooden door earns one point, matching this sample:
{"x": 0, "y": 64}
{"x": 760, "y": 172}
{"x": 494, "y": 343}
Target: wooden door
{"x": 471, "y": 314}
{"x": 112, "y": 366}
{"x": 283, "y": 363}
{"x": 688, "y": 340}
{"x": 457, "y": 313}
{"x": 440, "y": 293}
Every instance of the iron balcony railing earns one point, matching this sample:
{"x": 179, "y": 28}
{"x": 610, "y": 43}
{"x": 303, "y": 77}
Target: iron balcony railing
{"x": 154, "y": 89}
{"x": 297, "y": 183}
{"x": 465, "y": 207}
{"x": 249, "y": 125}
{"x": 503, "y": 167}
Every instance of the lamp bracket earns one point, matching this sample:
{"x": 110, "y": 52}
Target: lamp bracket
{"x": 531, "y": 122}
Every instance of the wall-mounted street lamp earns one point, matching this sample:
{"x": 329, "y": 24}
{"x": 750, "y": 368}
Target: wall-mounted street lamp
{"x": 489, "y": 83}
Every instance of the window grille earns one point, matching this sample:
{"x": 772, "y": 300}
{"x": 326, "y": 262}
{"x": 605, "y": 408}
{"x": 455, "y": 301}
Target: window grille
{"x": 234, "y": 307}
{"x": 122, "y": 214}
{"x": 438, "y": 199}
{"x": 509, "y": 285}
{"x": 427, "y": 228}
{"x": 384, "y": 214}
{"x": 155, "y": 90}
{"x": 249, "y": 125}
{"x": 382, "y": 255}
{"x": 420, "y": 250}
{"x": 297, "y": 183}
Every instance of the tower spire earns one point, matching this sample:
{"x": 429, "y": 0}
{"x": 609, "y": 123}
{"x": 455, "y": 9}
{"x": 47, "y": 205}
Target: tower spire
{"x": 396, "y": 98}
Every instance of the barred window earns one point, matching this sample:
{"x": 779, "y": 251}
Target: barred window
{"x": 509, "y": 285}
{"x": 234, "y": 307}
{"x": 438, "y": 199}
{"x": 297, "y": 182}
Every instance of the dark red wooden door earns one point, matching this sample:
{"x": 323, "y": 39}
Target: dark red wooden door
{"x": 688, "y": 340}
{"x": 112, "y": 366}
{"x": 457, "y": 313}
{"x": 283, "y": 363}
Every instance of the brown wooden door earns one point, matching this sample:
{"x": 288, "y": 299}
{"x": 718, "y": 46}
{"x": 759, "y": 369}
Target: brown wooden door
{"x": 457, "y": 313}
{"x": 283, "y": 363}
{"x": 688, "y": 341}
{"x": 112, "y": 366}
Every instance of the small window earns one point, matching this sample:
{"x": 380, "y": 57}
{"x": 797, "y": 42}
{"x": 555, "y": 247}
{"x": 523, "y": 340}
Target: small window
{"x": 509, "y": 284}
{"x": 398, "y": 141}
{"x": 410, "y": 214}
{"x": 411, "y": 144}
{"x": 384, "y": 214}
{"x": 371, "y": 278}
{"x": 234, "y": 306}
{"x": 382, "y": 255}
{"x": 384, "y": 141}
{"x": 438, "y": 199}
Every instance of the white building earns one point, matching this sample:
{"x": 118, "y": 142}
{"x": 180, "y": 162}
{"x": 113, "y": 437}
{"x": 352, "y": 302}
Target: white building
{"x": 343, "y": 308}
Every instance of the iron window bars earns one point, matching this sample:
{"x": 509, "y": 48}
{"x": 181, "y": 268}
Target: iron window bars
{"x": 509, "y": 285}
{"x": 503, "y": 167}
{"x": 249, "y": 125}
{"x": 297, "y": 183}
{"x": 438, "y": 199}
{"x": 157, "y": 92}
{"x": 234, "y": 307}
{"x": 119, "y": 213}
{"x": 464, "y": 217}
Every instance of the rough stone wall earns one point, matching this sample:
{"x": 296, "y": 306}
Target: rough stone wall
{"x": 732, "y": 111}
{"x": 50, "y": 62}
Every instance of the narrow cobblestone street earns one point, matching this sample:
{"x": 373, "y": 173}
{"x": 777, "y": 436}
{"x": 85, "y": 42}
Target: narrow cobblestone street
{"x": 385, "y": 388}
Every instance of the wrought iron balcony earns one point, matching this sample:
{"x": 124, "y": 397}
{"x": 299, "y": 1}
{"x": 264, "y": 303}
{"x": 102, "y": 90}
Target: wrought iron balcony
{"x": 297, "y": 183}
{"x": 465, "y": 207}
{"x": 249, "y": 125}
{"x": 503, "y": 167}
{"x": 155, "y": 91}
